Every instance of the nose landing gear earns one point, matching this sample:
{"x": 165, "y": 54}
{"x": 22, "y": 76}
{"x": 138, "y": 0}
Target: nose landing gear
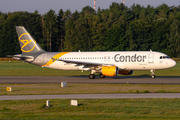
{"x": 152, "y": 73}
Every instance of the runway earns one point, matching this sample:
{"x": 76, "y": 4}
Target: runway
{"x": 109, "y": 80}
{"x": 91, "y": 96}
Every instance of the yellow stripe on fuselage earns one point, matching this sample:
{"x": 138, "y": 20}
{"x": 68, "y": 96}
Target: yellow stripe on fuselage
{"x": 57, "y": 56}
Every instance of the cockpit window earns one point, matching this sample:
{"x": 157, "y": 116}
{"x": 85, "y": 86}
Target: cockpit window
{"x": 164, "y": 57}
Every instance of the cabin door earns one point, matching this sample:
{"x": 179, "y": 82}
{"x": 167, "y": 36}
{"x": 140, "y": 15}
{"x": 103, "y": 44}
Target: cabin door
{"x": 151, "y": 58}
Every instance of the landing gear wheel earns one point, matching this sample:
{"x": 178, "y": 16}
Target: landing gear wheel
{"x": 152, "y": 73}
{"x": 153, "y": 76}
{"x": 91, "y": 76}
{"x": 102, "y": 76}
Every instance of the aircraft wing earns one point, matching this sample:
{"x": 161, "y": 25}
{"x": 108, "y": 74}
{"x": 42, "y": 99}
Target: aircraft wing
{"x": 86, "y": 64}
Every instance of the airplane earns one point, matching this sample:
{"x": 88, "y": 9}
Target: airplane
{"x": 105, "y": 63}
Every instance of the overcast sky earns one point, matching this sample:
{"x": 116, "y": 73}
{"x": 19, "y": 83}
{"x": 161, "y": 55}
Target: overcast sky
{"x": 43, "y": 6}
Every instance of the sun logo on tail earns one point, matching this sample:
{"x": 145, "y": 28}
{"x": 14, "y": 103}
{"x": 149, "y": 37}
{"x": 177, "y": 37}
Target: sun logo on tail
{"x": 27, "y": 44}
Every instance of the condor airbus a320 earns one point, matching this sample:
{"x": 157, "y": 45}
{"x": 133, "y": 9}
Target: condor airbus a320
{"x": 104, "y": 63}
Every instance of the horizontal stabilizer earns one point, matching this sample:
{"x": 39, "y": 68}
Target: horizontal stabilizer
{"x": 23, "y": 58}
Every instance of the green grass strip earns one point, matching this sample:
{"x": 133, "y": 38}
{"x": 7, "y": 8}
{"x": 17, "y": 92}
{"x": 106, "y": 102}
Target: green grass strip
{"x": 96, "y": 109}
{"x": 76, "y": 88}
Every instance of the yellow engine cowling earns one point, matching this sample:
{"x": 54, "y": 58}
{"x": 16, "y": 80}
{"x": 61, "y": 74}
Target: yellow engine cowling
{"x": 109, "y": 70}
{"x": 125, "y": 72}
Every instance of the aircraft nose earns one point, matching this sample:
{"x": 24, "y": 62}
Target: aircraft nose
{"x": 172, "y": 63}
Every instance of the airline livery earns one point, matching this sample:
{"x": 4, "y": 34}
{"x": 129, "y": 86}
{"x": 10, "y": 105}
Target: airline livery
{"x": 104, "y": 63}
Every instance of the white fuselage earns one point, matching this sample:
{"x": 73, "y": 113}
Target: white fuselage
{"x": 135, "y": 60}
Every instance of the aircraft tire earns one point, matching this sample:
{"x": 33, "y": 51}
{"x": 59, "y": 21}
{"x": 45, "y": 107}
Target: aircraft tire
{"x": 102, "y": 76}
{"x": 153, "y": 77}
{"x": 91, "y": 76}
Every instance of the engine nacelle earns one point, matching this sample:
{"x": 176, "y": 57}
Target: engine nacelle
{"x": 125, "y": 72}
{"x": 109, "y": 70}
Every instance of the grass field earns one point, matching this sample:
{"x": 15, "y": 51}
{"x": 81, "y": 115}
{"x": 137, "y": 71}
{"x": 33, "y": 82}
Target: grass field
{"x": 25, "y": 69}
{"x": 72, "y": 88}
{"x": 96, "y": 109}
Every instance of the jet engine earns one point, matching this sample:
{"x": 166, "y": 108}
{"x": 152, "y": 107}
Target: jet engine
{"x": 125, "y": 72}
{"x": 109, "y": 70}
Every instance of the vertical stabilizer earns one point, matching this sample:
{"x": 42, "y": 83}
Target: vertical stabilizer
{"x": 27, "y": 42}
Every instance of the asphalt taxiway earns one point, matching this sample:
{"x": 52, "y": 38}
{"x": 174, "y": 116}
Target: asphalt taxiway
{"x": 109, "y": 80}
{"x": 91, "y": 96}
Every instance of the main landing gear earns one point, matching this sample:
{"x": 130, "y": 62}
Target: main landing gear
{"x": 101, "y": 75}
{"x": 92, "y": 76}
{"x": 152, "y": 73}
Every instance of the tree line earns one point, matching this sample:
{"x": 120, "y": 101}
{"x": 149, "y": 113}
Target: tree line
{"x": 117, "y": 28}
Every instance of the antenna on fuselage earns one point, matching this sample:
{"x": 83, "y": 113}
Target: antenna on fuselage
{"x": 79, "y": 50}
{"x": 150, "y": 50}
